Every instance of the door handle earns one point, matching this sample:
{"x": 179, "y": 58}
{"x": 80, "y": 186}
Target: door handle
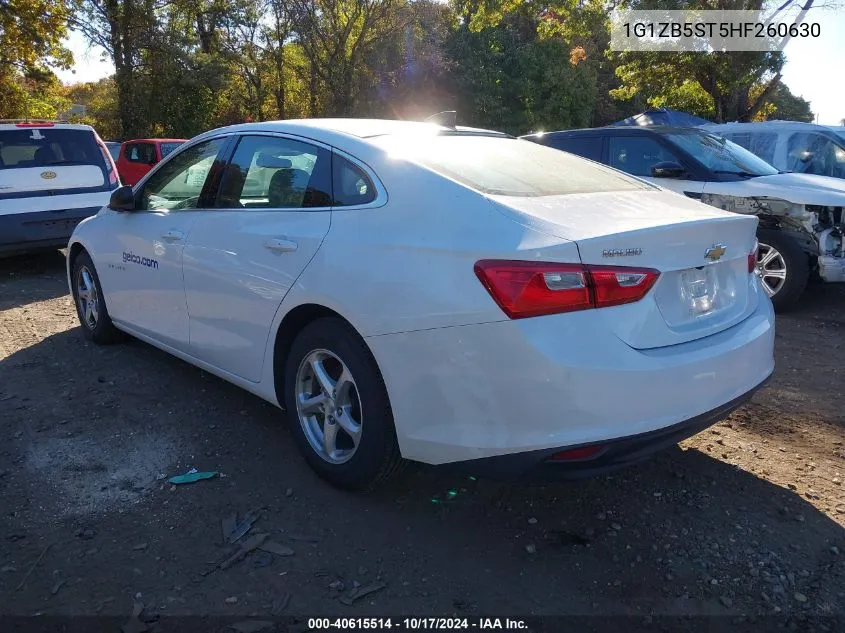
{"x": 281, "y": 245}
{"x": 173, "y": 236}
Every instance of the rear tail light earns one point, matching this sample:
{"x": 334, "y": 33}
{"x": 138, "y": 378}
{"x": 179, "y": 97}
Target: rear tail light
{"x": 752, "y": 258}
{"x": 112, "y": 169}
{"x": 526, "y": 289}
{"x": 38, "y": 124}
{"x": 577, "y": 454}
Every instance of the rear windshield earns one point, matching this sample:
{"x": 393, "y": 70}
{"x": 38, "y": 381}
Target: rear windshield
{"x": 45, "y": 147}
{"x": 167, "y": 148}
{"x": 507, "y": 167}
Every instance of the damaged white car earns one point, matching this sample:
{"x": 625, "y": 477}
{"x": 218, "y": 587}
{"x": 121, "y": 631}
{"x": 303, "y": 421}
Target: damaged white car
{"x": 800, "y": 215}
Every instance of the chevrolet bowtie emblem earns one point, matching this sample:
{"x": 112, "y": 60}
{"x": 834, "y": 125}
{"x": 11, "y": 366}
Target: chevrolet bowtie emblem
{"x": 715, "y": 252}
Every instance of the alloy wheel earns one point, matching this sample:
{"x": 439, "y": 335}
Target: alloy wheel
{"x": 328, "y": 406}
{"x": 771, "y": 269}
{"x": 87, "y": 297}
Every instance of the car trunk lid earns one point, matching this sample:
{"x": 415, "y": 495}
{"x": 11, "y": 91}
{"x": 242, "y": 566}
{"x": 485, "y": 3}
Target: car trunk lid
{"x": 701, "y": 253}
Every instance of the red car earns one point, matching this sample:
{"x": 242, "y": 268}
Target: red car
{"x": 139, "y": 155}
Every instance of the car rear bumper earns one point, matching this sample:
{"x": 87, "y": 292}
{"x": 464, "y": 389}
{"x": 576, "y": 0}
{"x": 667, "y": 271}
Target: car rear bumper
{"x": 39, "y": 230}
{"x": 611, "y": 455}
{"x": 536, "y": 385}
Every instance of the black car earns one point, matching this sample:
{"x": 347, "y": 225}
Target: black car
{"x": 707, "y": 167}
{"x": 658, "y": 152}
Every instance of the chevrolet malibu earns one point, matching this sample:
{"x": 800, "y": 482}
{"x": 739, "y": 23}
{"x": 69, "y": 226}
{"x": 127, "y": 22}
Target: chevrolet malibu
{"x": 413, "y": 291}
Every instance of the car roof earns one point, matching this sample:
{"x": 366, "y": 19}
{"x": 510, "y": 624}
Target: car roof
{"x": 156, "y": 140}
{"x": 767, "y": 125}
{"x": 22, "y": 125}
{"x": 636, "y": 129}
{"x": 340, "y": 130}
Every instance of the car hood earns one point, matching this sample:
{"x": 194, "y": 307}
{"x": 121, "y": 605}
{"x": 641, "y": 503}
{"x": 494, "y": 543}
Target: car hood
{"x": 799, "y": 188}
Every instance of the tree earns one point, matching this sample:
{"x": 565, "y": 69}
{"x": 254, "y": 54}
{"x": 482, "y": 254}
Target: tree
{"x": 275, "y": 36}
{"x": 31, "y": 33}
{"x": 336, "y": 36}
{"x": 510, "y": 77}
{"x": 786, "y": 106}
{"x": 724, "y": 86}
{"x": 125, "y": 29}
{"x": 100, "y": 101}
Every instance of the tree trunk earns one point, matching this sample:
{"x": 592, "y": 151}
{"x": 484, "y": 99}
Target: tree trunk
{"x": 312, "y": 88}
{"x": 279, "y": 92}
{"x": 122, "y": 58}
{"x": 207, "y": 24}
{"x": 764, "y": 97}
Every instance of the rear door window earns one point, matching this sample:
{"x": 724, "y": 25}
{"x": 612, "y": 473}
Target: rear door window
{"x": 586, "y": 146}
{"x": 268, "y": 172}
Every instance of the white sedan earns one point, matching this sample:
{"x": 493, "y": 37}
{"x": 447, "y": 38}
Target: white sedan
{"x": 440, "y": 294}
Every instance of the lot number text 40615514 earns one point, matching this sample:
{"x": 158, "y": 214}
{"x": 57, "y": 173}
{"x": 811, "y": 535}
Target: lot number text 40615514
{"x": 415, "y": 624}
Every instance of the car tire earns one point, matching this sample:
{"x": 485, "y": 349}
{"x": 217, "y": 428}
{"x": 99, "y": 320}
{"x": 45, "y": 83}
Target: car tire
{"x": 90, "y": 303}
{"x": 792, "y": 259}
{"x": 329, "y": 360}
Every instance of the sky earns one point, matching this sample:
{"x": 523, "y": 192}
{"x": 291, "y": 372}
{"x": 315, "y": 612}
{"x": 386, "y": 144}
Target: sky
{"x": 814, "y": 67}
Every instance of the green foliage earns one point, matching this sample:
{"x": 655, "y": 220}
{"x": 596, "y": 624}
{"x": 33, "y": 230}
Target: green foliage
{"x": 100, "y": 101}
{"x": 31, "y": 33}
{"x": 185, "y": 66}
{"x": 788, "y": 107}
{"x": 37, "y": 93}
{"x": 510, "y": 80}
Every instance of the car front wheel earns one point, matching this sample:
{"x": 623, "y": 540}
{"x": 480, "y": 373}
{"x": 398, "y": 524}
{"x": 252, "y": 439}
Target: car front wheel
{"x": 783, "y": 268}
{"x": 90, "y": 303}
{"x": 338, "y": 406}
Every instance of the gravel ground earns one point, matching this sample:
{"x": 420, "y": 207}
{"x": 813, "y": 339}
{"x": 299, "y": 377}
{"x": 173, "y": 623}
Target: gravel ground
{"x": 745, "y": 519}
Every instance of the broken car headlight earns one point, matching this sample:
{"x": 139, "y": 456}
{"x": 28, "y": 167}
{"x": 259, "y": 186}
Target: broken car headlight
{"x": 736, "y": 204}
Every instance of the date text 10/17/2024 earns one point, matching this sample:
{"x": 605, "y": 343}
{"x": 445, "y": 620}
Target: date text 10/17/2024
{"x": 415, "y": 624}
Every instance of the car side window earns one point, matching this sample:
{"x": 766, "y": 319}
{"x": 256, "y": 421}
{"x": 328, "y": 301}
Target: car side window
{"x": 762, "y": 144}
{"x": 143, "y": 153}
{"x": 743, "y": 140}
{"x": 350, "y": 184}
{"x": 586, "y": 146}
{"x": 812, "y": 153}
{"x": 638, "y": 154}
{"x": 270, "y": 172}
{"x": 179, "y": 182}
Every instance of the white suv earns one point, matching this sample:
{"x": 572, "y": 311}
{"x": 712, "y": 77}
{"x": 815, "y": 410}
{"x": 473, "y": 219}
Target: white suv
{"x": 52, "y": 175}
{"x": 801, "y": 148}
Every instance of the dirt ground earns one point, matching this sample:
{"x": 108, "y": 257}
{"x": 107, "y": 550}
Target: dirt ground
{"x": 745, "y": 519}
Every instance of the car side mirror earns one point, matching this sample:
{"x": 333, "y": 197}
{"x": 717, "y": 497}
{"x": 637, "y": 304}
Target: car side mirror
{"x": 122, "y": 199}
{"x": 668, "y": 169}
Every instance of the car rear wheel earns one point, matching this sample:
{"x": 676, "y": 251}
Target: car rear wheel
{"x": 783, "y": 268}
{"x": 338, "y": 406}
{"x": 91, "y": 308}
